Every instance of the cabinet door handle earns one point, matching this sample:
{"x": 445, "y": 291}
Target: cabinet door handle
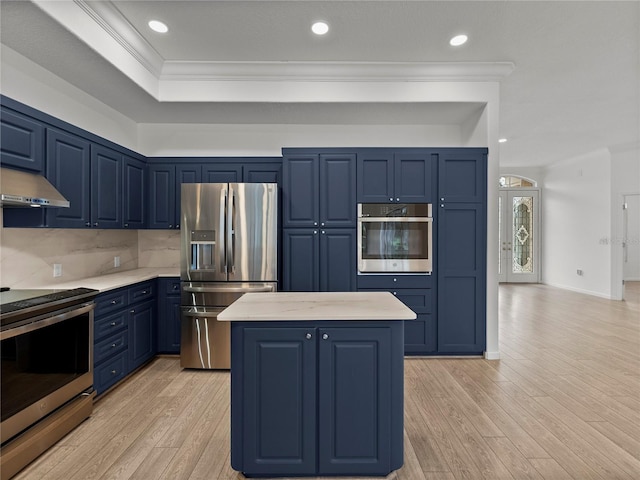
{"x": 144, "y": 292}
{"x": 113, "y": 324}
{"x": 126, "y": 224}
{"x": 325, "y": 336}
{"x": 113, "y": 372}
{"x": 308, "y": 336}
{"x": 114, "y": 302}
{"x": 132, "y": 311}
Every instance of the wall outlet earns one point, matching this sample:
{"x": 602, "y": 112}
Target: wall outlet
{"x": 57, "y": 269}
{"x": 579, "y": 272}
{"x": 116, "y": 262}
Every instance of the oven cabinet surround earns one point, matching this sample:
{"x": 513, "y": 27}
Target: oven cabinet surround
{"x": 319, "y": 220}
{"x": 317, "y": 383}
{"x": 169, "y": 315}
{"x": 167, "y": 174}
{"x": 124, "y": 332}
{"x": 388, "y": 175}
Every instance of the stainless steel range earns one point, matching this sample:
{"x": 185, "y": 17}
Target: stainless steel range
{"x": 47, "y": 370}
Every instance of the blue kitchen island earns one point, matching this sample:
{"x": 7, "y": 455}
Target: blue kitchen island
{"x": 317, "y": 383}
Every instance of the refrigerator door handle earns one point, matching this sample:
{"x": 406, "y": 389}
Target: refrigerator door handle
{"x": 231, "y": 233}
{"x": 265, "y": 288}
{"x": 221, "y": 231}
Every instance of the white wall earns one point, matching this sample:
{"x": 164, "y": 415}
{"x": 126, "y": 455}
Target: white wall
{"x": 576, "y": 224}
{"x": 24, "y": 81}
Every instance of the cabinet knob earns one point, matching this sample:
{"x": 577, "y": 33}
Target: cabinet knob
{"x": 442, "y": 205}
{"x": 442, "y": 199}
{"x": 395, "y": 293}
{"x": 325, "y": 336}
{"x": 323, "y": 232}
{"x": 171, "y": 226}
{"x": 126, "y": 225}
{"x": 114, "y": 302}
{"x": 113, "y": 345}
{"x": 87, "y": 224}
{"x": 144, "y": 292}
{"x": 315, "y": 232}
{"x": 391, "y": 199}
{"x": 308, "y": 336}
{"x": 132, "y": 311}
{"x": 315, "y": 224}
{"x": 95, "y": 224}
{"x": 398, "y": 199}
{"x": 113, "y": 324}
{"x": 322, "y": 224}
{"x": 113, "y": 372}
{"x": 395, "y": 279}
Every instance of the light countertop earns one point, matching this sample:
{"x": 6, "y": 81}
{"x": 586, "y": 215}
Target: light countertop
{"x": 104, "y": 283}
{"x": 317, "y": 306}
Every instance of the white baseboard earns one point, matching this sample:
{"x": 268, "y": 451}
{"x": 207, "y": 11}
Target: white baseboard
{"x": 492, "y": 355}
{"x": 580, "y": 290}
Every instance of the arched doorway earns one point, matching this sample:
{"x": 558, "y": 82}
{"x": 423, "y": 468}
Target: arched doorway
{"x": 519, "y": 230}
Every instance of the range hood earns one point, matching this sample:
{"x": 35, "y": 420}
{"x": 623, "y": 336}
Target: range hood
{"x": 23, "y": 189}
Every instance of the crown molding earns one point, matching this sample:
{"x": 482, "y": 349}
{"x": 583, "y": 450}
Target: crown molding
{"x": 337, "y": 71}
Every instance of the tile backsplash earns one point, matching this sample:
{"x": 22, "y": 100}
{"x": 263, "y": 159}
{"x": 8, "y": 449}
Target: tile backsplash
{"x": 27, "y": 255}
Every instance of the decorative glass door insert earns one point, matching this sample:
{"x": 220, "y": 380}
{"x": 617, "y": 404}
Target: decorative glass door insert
{"x": 519, "y": 238}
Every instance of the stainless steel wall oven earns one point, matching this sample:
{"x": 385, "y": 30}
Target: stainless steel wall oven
{"x": 395, "y": 238}
{"x": 46, "y": 380}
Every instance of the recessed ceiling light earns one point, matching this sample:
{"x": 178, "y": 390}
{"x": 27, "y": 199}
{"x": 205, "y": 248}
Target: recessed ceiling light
{"x": 158, "y": 26}
{"x": 458, "y": 40}
{"x": 319, "y": 28}
{"x": 502, "y": 140}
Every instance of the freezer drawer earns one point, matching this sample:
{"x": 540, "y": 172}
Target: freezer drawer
{"x": 205, "y": 343}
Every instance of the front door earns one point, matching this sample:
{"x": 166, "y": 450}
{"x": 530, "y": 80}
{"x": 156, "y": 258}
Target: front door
{"x": 519, "y": 235}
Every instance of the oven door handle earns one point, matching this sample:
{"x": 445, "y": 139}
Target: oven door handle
{"x": 46, "y": 321}
{"x": 396, "y": 219}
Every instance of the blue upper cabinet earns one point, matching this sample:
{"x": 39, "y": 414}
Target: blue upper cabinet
{"x": 222, "y": 173}
{"x": 462, "y": 175}
{"x": 69, "y": 170}
{"x": 162, "y": 196}
{"x": 22, "y": 143}
{"x": 319, "y": 190}
{"x": 400, "y": 176}
{"x": 263, "y": 172}
{"x": 134, "y": 201}
{"x": 106, "y": 187}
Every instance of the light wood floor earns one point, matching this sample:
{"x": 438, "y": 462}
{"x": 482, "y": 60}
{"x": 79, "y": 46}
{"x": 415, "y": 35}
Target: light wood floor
{"x": 562, "y": 402}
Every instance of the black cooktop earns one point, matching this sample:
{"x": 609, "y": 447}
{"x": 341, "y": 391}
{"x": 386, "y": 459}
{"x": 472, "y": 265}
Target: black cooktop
{"x": 16, "y": 305}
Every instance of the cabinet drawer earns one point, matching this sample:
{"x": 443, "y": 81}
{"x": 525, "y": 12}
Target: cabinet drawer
{"x": 110, "y": 346}
{"x": 141, "y": 291}
{"x": 109, "y": 325}
{"x": 395, "y": 281}
{"x": 417, "y": 299}
{"x": 172, "y": 286}
{"x": 110, "y": 302}
{"x": 110, "y": 372}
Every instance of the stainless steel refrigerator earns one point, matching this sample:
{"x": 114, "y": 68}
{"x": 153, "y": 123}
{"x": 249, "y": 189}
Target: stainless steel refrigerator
{"x": 228, "y": 247}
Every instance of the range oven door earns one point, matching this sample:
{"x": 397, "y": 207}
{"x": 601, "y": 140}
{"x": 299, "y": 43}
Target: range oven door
{"x": 396, "y": 242}
{"x": 45, "y": 363}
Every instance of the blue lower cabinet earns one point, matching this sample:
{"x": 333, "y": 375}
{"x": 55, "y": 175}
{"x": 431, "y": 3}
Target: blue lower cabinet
{"x": 169, "y": 315}
{"x": 142, "y": 334}
{"x": 317, "y": 398}
{"x": 110, "y": 372}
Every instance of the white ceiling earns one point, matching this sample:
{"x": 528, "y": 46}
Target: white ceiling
{"x": 575, "y": 87}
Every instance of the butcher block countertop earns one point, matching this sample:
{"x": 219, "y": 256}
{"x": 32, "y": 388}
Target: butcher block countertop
{"x": 279, "y": 306}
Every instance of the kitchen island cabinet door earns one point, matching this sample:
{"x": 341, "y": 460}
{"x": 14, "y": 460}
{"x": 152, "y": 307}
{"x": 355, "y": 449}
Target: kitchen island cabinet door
{"x": 69, "y": 170}
{"x": 279, "y": 402}
{"x": 106, "y": 188}
{"x": 354, "y": 405}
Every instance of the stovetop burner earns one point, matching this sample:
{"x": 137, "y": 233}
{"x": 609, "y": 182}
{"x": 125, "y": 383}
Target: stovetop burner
{"x": 16, "y": 305}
